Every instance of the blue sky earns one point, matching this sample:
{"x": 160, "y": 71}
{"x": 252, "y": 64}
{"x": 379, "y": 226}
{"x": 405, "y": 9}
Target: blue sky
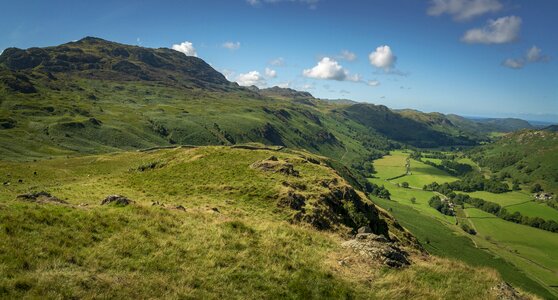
{"x": 471, "y": 57}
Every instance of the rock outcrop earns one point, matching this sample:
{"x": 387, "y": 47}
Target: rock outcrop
{"x": 378, "y": 248}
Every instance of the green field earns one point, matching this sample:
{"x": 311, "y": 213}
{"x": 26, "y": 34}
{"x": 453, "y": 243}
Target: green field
{"x": 393, "y": 165}
{"x": 403, "y": 196}
{"x": 439, "y": 239}
{"x": 520, "y": 201}
{"x": 529, "y": 249}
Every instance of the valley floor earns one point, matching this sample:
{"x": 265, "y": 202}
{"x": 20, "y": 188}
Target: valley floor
{"x": 524, "y": 256}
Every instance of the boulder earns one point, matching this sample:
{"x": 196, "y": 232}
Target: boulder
{"x": 378, "y": 248}
{"x": 117, "y": 200}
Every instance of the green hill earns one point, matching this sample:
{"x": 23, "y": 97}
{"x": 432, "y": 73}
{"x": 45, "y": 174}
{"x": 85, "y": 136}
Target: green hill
{"x": 527, "y": 156}
{"x": 209, "y": 222}
{"x": 94, "y": 96}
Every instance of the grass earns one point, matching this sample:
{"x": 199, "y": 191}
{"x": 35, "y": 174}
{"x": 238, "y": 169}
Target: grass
{"x": 520, "y": 201}
{"x": 444, "y": 241}
{"x": 422, "y": 221}
{"x": 393, "y": 165}
{"x": 232, "y": 240}
{"x": 532, "y": 249}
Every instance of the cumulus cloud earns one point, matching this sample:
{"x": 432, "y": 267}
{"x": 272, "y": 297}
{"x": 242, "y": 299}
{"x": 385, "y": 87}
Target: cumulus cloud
{"x": 270, "y": 73}
{"x": 284, "y": 85}
{"x": 383, "y": 58}
{"x": 532, "y": 55}
{"x": 463, "y": 9}
{"x": 513, "y": 63}
{"x": 185, "y": 47}
{"x": 330, "y": 69}
{"x": 499, "y": 31}
{"x": 312, "y": 4}
{"x": 278, "y": 62}
{"x": 347, "y": 55}
{"x": 231, "y": 45}
{"x": 251, "y": 78}
{"x": 373, "y": 83}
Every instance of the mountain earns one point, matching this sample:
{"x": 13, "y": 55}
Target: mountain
{"x": 94, "y": 96}
{"x": 487, "y": 125}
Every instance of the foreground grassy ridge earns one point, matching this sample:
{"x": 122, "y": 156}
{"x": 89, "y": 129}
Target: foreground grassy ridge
{"x": 231, "y": 241}
{"x": 529, "y": 249}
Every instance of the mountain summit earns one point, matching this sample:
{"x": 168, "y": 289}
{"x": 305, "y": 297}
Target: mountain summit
{"x": 96, "y": 58}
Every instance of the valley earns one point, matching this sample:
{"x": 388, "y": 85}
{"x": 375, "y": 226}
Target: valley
{"x": 525, "y": 248}
{"x": 130, "y": 171}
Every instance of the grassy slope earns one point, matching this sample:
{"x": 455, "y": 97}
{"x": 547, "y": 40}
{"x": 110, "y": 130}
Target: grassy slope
{"x": 528, "y": 156}
{"x": 421, "y": 219}
{"x": 246, "y": 250}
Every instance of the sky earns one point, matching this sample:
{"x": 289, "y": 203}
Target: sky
{"x": 487, "y": 58}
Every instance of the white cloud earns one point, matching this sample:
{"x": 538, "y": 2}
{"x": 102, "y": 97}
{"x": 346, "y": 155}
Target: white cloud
{"x": 270, "y": 73}
{"x": 251, "y": 78}
{"x": 499, "y": 31}
{"x": 533, "y": 55}
{"x": 373, "y": 83}
{"x": 382, "y": 58}
{"x": 328, "y": 68}
{"x": 284, "y": 85}
{"x": 308, "y": 86}
{"x": 231, "y": 45}
{"x": 514, "y": 63}
{"x": 312, "y": 4}
{"x": 185, "y": 47}
{"x": 463, "y": 9}
{"x": 348, "y": 55}
{"x": 278, "y": 62}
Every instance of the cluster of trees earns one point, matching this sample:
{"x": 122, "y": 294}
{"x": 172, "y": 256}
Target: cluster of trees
{"x": 451, "y": 167}
{"x": 470, "y": 183}
{"x": 376, "y": 190}
{"x": 497, "y": 210}
{"x": 441, "y": 206}
{"x": 468, "y": 229}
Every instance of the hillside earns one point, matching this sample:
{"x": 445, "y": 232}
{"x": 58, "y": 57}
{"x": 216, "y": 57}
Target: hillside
{"x": 527, "y": 156}
{"x": 95, "y": 96}
{"x": 489, "y": 125}
{"x": 210, "y": 222}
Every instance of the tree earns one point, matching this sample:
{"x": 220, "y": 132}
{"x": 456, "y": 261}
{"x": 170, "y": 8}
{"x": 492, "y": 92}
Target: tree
{"x": 536, "y": 188}
{"x": 413, "y": 200}
{"x": 405, "y": 184}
